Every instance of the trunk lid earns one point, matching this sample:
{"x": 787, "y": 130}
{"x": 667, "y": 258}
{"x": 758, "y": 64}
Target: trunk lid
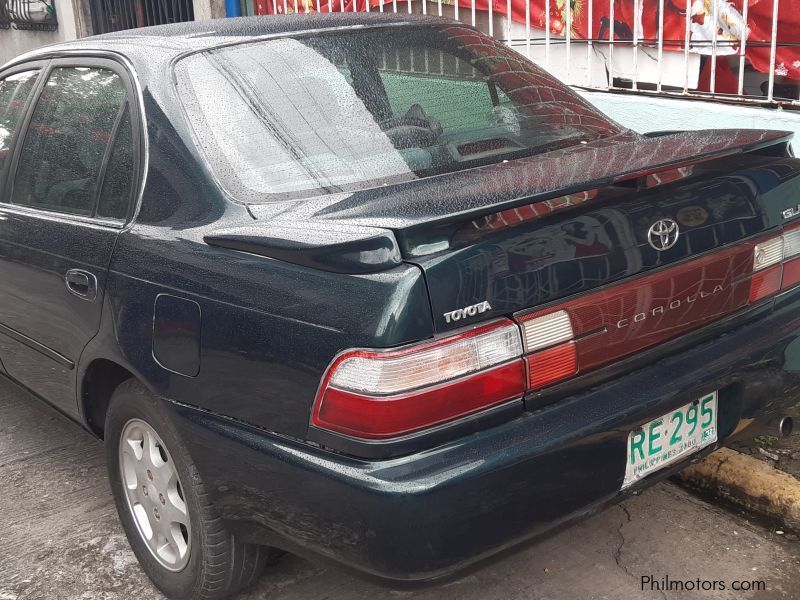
{"x": 515, "y": 260}
{"x": 511, "y": 237}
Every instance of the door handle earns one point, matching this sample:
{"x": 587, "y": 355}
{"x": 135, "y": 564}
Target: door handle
{"x": 81, "y": 283}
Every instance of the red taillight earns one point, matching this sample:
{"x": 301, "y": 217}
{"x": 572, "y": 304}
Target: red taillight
{"x": 791, "y": 274}
{"x": 776, "y": 264}
{"x": 552, "y": 365}
{"x": 375, "y": 394}
{"x": 765, "y": 283}
{"x": 374, "y": 417}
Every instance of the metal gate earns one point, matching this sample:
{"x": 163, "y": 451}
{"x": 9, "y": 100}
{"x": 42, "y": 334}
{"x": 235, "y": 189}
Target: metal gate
{"x": 744, "y": 51}
{"x": 116, "y": 15}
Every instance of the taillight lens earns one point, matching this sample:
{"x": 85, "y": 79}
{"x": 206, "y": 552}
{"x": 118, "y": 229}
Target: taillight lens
{"x": 421, "y": 365}
{"x": 375, "y": 394}
{"x": 765, "y": 283}
{"x": 552, "y": 365}
{"x": 552, "y": 353}
{"x": 791, "y": 241}
{"x": 768, "y": 253}
{"x": 776, "y": 264}
{"x": 546, "y": 330}
{"x": 791, "y": 255}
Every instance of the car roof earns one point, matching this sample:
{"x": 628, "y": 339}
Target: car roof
{"x": 138, "y": 45}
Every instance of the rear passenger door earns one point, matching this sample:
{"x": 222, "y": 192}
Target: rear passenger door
{"x": 67, "y": 195}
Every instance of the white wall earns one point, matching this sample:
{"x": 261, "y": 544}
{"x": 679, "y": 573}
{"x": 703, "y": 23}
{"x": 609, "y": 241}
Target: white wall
{"x": 208, "y": 9}
{"x": 74, "y": 21}
{"x": 645, "y": 113}
{"x": 14, "y": 42}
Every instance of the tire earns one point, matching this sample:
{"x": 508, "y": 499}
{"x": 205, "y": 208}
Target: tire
{"x": 201, "y": 560}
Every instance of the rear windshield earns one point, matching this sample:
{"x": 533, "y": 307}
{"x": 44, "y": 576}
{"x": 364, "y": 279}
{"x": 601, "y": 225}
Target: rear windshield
{"x": 350, "y": 110}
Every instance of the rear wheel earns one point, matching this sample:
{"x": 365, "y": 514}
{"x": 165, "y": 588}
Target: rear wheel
{"x": 179, "y": 539}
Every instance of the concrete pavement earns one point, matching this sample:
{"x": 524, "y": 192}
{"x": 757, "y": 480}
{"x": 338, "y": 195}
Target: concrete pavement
{"x": 59, "y": 539}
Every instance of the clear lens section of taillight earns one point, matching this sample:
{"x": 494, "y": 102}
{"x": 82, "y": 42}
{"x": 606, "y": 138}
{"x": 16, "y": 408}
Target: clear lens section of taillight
{"x": 791, "y": 242}
{"x": 383, "y": 373}
{"x": 768, "y": 253}
{"x": 790, "y": 275}
{"x": 546, "y": 330}
{"x": 776, "y": 264}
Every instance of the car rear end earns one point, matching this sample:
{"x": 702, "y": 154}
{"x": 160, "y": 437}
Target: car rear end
{"x": 604, "y": 307}
{"x": 466, "y": 490}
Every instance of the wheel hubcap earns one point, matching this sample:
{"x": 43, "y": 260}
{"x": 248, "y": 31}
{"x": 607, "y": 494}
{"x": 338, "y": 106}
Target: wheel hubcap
{"x": 155, "y": 495}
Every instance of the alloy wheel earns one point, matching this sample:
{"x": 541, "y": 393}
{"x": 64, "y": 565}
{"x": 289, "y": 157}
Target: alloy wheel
{"x": 154, "y": 494}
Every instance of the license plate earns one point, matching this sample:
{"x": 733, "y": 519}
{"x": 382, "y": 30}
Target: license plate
{"x": 665, "y": 440}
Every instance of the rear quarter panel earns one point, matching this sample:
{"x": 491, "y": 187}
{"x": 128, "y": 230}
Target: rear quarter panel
{"x": 268, "y": 329}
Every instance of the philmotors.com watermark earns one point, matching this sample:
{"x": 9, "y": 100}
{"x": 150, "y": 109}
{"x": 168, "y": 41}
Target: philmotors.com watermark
{"x": 668, "y": 584}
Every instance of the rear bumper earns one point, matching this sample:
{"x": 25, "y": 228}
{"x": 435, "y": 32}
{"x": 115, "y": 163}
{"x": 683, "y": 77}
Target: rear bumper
{"x": 432, "y": 513}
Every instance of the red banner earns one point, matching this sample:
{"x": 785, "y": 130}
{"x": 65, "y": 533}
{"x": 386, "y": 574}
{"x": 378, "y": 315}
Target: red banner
{"x": 729, "y": 22}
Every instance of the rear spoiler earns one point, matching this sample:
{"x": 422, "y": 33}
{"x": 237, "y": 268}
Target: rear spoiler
{"x": 326, "y": 246}
{"x": 469, "y": 194}
{"x": 370, "y": 230}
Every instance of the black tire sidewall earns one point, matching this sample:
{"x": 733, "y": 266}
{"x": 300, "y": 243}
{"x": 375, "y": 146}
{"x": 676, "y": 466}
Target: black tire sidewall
{"x": 132, "y": 401}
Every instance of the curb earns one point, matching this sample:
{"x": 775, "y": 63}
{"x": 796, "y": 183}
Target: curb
{"x": 748, "y": 482}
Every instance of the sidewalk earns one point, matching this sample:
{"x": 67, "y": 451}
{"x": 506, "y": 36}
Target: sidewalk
{"x": 759, "y": 472}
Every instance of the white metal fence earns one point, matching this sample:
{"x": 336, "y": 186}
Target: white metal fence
{"x": 736, "y": 50}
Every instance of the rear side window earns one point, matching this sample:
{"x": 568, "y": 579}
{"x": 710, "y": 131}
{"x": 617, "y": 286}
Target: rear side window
{"x": 14, "y": 93}
{"x": 71, "y": 130}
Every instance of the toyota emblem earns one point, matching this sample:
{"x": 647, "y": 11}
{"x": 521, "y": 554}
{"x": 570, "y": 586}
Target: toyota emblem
{"x": 663, "y": 234}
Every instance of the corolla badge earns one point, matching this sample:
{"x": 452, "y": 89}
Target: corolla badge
{"x": 663, "y": 234}
{"x": 467, "y": 311}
